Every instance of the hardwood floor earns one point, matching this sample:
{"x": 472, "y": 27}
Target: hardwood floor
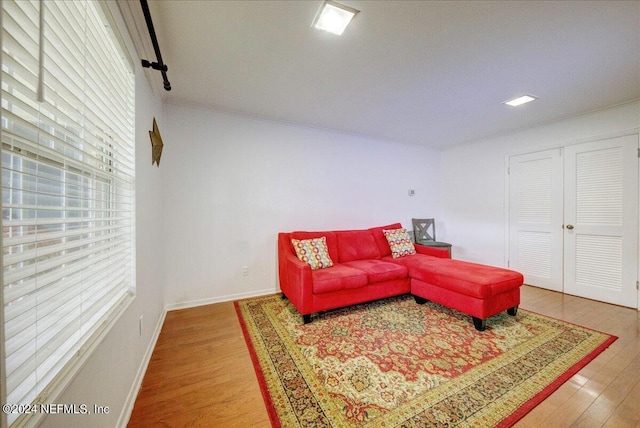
{"x": 201, "y": 373}
{"x": 606, "y": 393}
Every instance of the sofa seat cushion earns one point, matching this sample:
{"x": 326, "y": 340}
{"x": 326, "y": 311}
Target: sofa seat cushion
{"x": 379, "y": 271}
{"x": 336, "y": 278}
{"x": 356, "y": 245}
{"x": 472, "y": 279}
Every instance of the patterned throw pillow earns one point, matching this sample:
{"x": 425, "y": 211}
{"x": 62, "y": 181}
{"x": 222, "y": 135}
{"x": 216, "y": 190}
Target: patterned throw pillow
{"x": 313, "y": 251}
{"x": 399, "y": 242}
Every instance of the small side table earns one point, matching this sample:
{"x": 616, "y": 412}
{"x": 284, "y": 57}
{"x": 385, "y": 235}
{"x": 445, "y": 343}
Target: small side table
{"x": 435, "y": 244}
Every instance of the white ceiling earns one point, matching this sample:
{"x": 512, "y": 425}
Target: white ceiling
{"x": 423, "y": 72}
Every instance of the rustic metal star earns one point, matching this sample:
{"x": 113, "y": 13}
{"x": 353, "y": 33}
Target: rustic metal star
{"x": 156, "y": 144}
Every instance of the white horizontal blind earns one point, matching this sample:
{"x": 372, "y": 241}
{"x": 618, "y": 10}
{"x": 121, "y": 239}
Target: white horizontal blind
{"x": 68, "y": 209}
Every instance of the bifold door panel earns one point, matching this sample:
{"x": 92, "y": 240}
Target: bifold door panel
{"x": 535, "y": 195}
{"x": 573, "y": 219}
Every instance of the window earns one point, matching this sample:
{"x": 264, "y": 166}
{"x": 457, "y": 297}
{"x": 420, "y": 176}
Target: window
{"x": 68, "y": 203}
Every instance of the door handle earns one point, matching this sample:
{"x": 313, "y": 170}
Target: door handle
{"x": 570, "y": 226}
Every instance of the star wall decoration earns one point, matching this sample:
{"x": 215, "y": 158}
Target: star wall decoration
{"x": 156, "y": 144}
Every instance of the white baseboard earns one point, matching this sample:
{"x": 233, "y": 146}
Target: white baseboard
{"x": 220, "y": 299}
{"x": 127, "y": 409}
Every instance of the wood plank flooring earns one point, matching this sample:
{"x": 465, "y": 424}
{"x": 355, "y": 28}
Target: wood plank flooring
{"x": 201, "y": 375}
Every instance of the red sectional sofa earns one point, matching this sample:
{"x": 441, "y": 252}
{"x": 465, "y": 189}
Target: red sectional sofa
{"x": 364, "y": 270}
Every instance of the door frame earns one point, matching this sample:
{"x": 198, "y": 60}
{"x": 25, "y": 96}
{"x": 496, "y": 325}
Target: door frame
{"x": 560, "y": 145}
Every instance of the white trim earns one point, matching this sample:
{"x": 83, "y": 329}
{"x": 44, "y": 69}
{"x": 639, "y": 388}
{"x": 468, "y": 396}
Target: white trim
{"x": 127, "y": 408}
{"x": 220, "y": 299}
{"x": 506, "y": 199}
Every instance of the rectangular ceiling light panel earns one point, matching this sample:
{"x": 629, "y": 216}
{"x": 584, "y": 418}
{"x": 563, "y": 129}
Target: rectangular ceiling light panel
{"x": 334, "y": 17}
{"x": 520, "y": 100}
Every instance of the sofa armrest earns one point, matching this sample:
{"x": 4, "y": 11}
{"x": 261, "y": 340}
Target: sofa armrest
{"x": 441, "y": 252}
{"x": 295, "y": 277}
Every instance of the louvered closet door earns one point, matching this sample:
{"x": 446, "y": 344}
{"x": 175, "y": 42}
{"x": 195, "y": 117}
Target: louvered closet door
{"x": 535, "y": 217}
{"x": 601, "y": 220}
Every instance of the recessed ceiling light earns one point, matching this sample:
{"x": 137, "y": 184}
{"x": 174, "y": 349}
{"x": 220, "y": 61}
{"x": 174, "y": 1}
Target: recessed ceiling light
{"x": 520, "y": 100}
{"x": 334, "y": 17}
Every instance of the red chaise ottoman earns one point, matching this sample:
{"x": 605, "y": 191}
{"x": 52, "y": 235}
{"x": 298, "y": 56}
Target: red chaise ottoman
{"x": 478, "y": 290}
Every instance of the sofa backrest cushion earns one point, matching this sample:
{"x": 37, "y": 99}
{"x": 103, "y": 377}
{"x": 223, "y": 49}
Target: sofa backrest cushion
{"x": 356, "y": 245}
{"x": 332, "y": 241}
{"x": 381, "y": 240}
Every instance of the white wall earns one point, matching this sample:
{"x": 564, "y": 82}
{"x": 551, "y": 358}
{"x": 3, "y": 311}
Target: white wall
{"x": 473, "y": 178}
{"x": 109, "y": 377}
{"x": 234, "y": 182}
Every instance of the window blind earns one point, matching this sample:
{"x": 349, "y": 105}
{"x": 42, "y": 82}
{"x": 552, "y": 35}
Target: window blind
{"x": 68, "y": 202}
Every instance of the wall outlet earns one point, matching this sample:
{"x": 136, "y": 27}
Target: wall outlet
{"x": 245, "y": 270}
{"x": 412, "y": 192}
{"x": 140, "y": 326}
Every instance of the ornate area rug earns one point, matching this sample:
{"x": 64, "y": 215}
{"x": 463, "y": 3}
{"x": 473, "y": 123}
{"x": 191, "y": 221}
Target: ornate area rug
{"x": 394, "y": 363}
